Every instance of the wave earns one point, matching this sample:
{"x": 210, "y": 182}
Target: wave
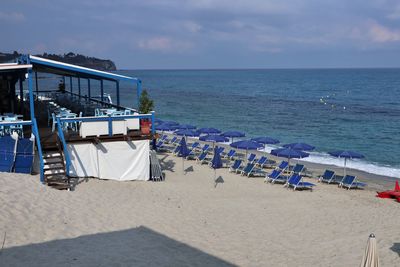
{"x": 362, "y": 165}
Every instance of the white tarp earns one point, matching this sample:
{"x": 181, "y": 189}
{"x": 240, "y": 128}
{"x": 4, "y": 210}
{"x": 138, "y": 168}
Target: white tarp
{"x": 121, "y": 160}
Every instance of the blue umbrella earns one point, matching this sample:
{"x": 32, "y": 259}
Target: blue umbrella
{"x": 346, "y": 154}
{"x": 213, "y": 138}
{"x": 300, "y": 146}
{"x": 165, "y": 127}
{"x": 246, "y": 144}
{"x": 289, "y": 153}
{"x": 208, "y": 131}
{"x": 186, "y": 126}
{"x": 173, "y": 123}
{"x": 216, "y": 163}
{"x": 233, "y": 134}
{"x": 265, "y": 140}
{"x": 187, "y": 133}
{"x": 183, "y": 152}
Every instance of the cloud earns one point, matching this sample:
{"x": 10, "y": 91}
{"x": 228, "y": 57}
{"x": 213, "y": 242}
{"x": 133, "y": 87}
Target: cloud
{"x": 163, "y": 44}
{"x": 381, "y": 34}
{"x": 11, "y": 16}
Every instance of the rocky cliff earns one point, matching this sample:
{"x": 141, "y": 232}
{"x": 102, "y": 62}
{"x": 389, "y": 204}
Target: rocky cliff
{"x": 71, "y": 58}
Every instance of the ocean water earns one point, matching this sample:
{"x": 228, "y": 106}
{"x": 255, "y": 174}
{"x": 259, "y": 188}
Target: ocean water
{"x": 332, "y": 109}
{"x": 354, "y": 109}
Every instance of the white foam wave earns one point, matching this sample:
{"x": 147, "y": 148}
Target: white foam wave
{"x": 362, "y": 165}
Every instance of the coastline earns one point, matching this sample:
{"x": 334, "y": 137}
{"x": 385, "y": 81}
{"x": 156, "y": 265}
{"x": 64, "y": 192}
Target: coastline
{"x": 375, "y": 182}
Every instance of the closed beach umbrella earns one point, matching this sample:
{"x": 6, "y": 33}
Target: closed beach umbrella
{"x": 370, "y": 258}
{"x": 265, "y": 140}
{"x": 187, "y": 133}
{"x": 289, "y": 153}
{"x": 208, "y": 131}
{"x": 346, "y": 154}
{"x": 300, "y": 146}
{"x": 186, "y": 127}
{"x": 216, "y": 162}
{"x": 247, "y": 145}
{"x": 183, "y": 151}
{"x": 233, "y": 134}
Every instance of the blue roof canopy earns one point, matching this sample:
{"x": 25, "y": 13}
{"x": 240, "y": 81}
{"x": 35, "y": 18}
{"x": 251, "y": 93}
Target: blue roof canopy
{"x": 60, "y": 68}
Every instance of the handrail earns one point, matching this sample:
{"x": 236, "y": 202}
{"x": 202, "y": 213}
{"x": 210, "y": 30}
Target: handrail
{"x": 39, "y": 147}
{"x": 10, "y": 123}
{"x": 110, "y": 119}
{"x": 65, "y": 148}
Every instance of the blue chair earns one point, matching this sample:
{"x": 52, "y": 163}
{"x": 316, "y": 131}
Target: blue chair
{"x": 251, "y": 158}
{"x": 220, "y": 150}
{"x": 349, "y": 182}
{"x": 7, "y": 153}
{"x": 173, "y": 140}
{"x": 235, "y": 166}
{"x": 202, "y": 157}
{"x": 297, "y": 169}
{"x": 283, "y": 165}
{"x": 328, "y": 177}
{"x": 261, "y": 162}
{"x": 275, "y": 176}
{"x": 296, "y": 182}
{"x": 24, "y": 156}
{"x": 195, "y": 145}
{"x": 230, "y": 154}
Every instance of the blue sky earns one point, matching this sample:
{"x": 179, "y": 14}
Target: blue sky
{"x": 156, "y": 34}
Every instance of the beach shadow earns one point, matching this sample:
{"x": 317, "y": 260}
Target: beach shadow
{"x": 217, "y": 181}
{"x": 139, "y": 246}
{"x": 396, "y": 248}
{"x": 166, "y": 165}
{"x": 189, "y": 169}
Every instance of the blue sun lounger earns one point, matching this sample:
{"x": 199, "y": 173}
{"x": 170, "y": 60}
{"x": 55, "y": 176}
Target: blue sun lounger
{"x": 24, "y": 156}
{"x": 283, "y": 165}
{"x": 194, "y": 145}
{"x": 251, "y": 158}
{"x": 202, "y": 157}
{"x": 328, "y": 177}
{"x": 349, "y": 182}
{"x": 173, "y": 140}
{"x": 230, "y": 154}
{"x": 296, "y": 182}
{"x": 7, "y": 153}
{"x": 235, "y": 166}
{"x": 261, "y": 162}
{"x": 252, "y": 170}
{"x": 275, "y": 176}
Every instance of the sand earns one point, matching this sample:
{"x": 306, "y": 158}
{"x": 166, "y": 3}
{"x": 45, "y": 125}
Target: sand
{"x": 187, "y": 221}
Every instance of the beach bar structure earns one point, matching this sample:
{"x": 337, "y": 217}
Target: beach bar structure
{"x": 76, "y": 132}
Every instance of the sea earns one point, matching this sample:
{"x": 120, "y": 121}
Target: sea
{"x": 331, "y": 109}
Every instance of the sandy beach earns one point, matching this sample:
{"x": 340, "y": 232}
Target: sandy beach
{"x": 188, "y": 221}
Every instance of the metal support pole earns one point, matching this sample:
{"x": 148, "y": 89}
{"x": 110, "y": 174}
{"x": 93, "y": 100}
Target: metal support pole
{"x": 102, "y": 90}
{"x": 70, "y": 83}
{"x": 138, "y": 92}
{"x": 21, "y": 94}
{"x": 30, "y": 86}
{"x": 117, "y": 84}
{"x": 79, "y": 87}
{"x": 36, "y": 83}
{"x": 88, "y": 83}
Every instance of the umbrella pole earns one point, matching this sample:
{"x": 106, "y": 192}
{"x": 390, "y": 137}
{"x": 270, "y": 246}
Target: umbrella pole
{"x": 183, "y": 166}
{"x": 344, "y": 170}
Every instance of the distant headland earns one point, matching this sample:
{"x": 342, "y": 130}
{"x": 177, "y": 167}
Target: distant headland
{"x": 71, "y": 58}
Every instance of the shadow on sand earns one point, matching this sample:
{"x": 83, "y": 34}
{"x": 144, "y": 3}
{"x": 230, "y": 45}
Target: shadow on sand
{"x": 134, "y": 247}
{"x": 396, "y": 248}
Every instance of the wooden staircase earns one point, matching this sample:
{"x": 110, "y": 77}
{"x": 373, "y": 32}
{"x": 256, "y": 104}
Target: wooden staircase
{"x": 54, "y": 167}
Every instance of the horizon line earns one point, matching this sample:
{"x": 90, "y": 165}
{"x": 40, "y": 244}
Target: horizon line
{"x": 238, "y": 69}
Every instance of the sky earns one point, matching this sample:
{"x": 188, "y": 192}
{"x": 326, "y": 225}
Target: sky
{"x": 198, "y": 34}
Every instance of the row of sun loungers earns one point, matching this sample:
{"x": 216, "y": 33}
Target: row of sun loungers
{"x": 16, "y": 154}
{"x": 289, "y": 176}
